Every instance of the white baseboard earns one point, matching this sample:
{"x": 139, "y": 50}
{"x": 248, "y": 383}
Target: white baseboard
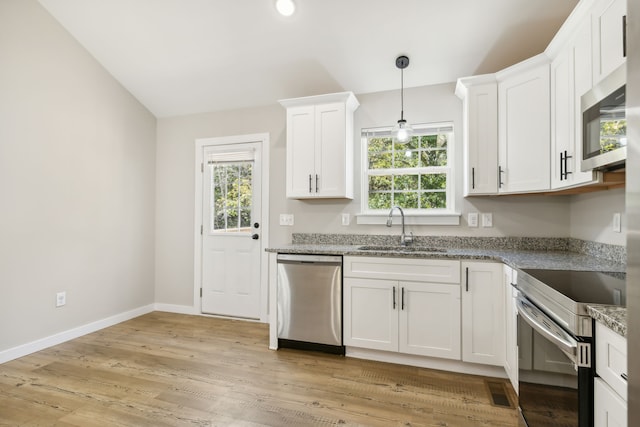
{"x": 427, "y": 362}
{"x": 175, "y": 308}
{"x": 41, "y": 344}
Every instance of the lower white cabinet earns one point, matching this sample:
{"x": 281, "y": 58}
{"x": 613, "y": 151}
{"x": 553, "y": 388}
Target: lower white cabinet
{"x": 510, "y": 325}
{"x": 483, "y": 328}
{"x": 610, "y": 409}
{"x": 610, "y": 388}
{"x": 412, "y": 317}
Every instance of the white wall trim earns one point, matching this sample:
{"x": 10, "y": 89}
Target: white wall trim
{"x": 176, "y": 308}
{"x": 50, "y": 341}
{"x": 263, "y": 139}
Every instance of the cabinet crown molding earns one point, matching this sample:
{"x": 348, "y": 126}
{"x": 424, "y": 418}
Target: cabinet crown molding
{"x": 348, "y": 98}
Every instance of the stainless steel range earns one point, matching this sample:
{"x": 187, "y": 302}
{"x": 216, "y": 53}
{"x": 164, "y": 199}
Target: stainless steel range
{"x": 555, "y": 343}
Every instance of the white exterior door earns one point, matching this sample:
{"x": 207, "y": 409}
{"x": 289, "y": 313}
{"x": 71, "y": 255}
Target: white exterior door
{"x": 231, "y": 231}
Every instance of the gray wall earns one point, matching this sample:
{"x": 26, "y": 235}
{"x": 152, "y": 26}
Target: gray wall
{"x": 77, "y": 167}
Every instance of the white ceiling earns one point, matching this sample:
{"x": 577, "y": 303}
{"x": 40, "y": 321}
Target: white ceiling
{"x": 191, "y": 56}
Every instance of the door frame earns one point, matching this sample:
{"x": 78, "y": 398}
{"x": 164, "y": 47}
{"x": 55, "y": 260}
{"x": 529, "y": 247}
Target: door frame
{"x": 200, "y": 144}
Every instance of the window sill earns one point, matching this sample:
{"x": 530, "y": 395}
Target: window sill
{"x": 442, "y": 218}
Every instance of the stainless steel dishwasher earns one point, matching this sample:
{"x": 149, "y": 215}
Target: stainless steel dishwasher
{"x": 310, "y": 302}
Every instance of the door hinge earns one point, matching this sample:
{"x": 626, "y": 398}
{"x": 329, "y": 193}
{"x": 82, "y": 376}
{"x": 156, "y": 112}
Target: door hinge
{"x": 201, "y": 167}
{"x": 583, "y": 357}
{"x": 200, "y": 292}
{"x": 201, "y": 229}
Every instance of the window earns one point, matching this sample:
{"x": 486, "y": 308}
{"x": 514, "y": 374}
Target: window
{"x": 417, "y": 176}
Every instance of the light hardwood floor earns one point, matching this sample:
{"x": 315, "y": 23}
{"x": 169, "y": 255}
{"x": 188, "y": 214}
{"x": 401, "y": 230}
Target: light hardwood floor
{"x": 165, "y": 369}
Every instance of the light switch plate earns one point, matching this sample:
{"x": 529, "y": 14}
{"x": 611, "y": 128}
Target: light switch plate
{"x": 286, "y": 219}
{"x": 472, "y": 219}
{"x": 346, "y": 218}
{"x": 617, "y": 227}
{"x": 487, "y": 220}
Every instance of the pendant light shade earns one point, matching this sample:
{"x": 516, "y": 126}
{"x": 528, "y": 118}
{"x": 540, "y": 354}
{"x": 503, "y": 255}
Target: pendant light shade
{"x": 402, "y": 131}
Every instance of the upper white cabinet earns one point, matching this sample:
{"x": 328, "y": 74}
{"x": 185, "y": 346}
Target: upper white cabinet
{"x": 479, "y": 96}
{"x": 570, "y": 79}
{"x": 524, "y": 127}
{"x": 483, "y": 327}
{"x": 320, "y": 146}
{"x": 608, "y": 20}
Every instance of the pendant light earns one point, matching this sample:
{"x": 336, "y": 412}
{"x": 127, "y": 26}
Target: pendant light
{"x": 402, "y": 131}
{"x": 285, "y": 7}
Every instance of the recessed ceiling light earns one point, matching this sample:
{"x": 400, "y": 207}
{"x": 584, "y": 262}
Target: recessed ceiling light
{"x": 285, "y": 7}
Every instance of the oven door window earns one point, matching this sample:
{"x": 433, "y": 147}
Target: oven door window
{"x": 548, "y": 380}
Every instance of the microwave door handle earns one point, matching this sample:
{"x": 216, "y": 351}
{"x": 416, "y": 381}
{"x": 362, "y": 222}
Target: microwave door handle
{"x": 568, "y": 345}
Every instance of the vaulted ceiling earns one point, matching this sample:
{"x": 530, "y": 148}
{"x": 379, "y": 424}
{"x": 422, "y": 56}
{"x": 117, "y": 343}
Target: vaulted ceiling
{"x": 190, "y": 56}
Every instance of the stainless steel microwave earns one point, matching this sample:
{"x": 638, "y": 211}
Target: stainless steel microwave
{"x": 604, "y": 123}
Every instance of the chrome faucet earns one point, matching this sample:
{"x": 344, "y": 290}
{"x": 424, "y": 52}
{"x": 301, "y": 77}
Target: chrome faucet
{"x": 404, "y": 239}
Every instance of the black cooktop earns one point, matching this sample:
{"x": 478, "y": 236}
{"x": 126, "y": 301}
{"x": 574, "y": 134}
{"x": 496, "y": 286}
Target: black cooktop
{"x": 591, "y": 287}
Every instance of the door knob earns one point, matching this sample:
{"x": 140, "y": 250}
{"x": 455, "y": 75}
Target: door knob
{"x": 256, "y": 225}
{"x": 255, "y": 236}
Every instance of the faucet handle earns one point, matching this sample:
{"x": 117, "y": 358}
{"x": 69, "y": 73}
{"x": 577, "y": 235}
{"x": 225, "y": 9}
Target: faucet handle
{"x": 408, "y": 239}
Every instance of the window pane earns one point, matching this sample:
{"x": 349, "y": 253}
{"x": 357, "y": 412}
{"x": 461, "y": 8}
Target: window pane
{"x": 380, "y": 160}
{"x": 433, "y": 200}
{"x": 231, "y": 196}
{"x": 405, "y": 159}
{"x": 412, "y": 144}
{"x": 433, "y": 182}
{"x": 380, "y": 183}
{"x": 405, "y": 182}
{"x": 379, "y": 200}
{"x": 407, "y": 200}
{"x": 433, "y": 158}
{"x": 377, "y": 145}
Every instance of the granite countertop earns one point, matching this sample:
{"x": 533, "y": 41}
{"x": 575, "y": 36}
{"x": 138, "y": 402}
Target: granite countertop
{"x": 552, "y": 260}
{"x": 520, "y": 253}
{"x": 613, "y": 317}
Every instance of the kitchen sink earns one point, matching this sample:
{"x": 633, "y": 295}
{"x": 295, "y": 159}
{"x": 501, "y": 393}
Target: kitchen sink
{"x": 390, "y": 248}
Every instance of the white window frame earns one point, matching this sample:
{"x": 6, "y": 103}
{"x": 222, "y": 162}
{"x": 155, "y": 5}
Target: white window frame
{"x": 447, "y": 216}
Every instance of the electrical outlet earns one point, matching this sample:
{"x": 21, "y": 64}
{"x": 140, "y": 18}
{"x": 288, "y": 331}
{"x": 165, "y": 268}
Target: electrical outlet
{"x": 345, "y": 219}
{"x": 472, "y": 219}
{"x": 61, "y": 299}
{"x": 286, "y": 219}
{"x": 487, "y": 220}
{"x": 617, "y": 227}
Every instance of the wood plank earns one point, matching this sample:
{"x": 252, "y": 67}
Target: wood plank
{"x": 170, "y": 369}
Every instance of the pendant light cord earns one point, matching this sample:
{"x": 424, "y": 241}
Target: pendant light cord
{"x": 401, "y": 93}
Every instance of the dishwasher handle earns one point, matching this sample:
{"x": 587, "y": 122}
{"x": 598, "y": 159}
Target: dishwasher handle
{"x": 309, "y": 259}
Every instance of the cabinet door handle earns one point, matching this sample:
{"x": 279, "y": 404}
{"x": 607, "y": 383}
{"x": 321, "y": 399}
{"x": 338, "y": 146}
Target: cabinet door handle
{"x": 624, "y": 377}
{"x": 500, "y": 172}
{"x": 402, "y": 299}
{"x": 310, "y": 183}
{"x": 566, "y": 169}
{"x": 624, "y": 36}
{"x": 473, "y": 178}
{"x": 317, "y": 183}
{"x": 467, "y": 278}
{"x": 394, "y": 297}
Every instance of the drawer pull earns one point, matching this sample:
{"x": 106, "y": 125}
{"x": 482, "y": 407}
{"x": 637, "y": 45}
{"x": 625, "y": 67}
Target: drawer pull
{"x": 624, "y": 377}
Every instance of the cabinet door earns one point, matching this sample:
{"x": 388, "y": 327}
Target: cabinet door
{"x": 430, "y": 319}
{"x": 300, "y": 151}
{"x": 610, "y": 410}
{"x": 608, "y": 37}
{"x": 371, "y": 313}
{"x": 511, "y": 325}
{"x": 331, "y": 151}
{"x": 482, "y": 313}
{"x": 562, "y": 117}
{"x": 523, "y": 131}
{"x": 481, "y": 139}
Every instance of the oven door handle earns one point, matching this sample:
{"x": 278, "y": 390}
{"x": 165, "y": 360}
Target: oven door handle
{"x": 546, "y": 327}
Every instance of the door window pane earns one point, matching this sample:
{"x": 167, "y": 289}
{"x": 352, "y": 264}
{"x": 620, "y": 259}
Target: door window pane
{"x": 231, "y": 197}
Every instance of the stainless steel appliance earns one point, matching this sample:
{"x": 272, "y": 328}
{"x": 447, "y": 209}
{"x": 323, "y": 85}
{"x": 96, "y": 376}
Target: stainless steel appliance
{"x": 555, "y": 343}
{"x": 310, "y": 302}
{"x": 604, "y": 123}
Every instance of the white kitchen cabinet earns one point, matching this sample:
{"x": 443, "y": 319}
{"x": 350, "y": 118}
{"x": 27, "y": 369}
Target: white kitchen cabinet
{"x": 524, "y": 127}
{"x": 570, "y": 79}
{"x": 320, "y": 146}
{"x": 610, "y": 389}
{"x": 393, "y": 314}
{"x": 608, "y": 19}
{"x": 610, "y": 410}
{"x": 511, "y": 325}
{"x": 483, "y": 328}
{"x": 479, "y": 96}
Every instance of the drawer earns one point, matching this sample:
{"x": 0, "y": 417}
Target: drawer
{"x": 609, "y": 408}
{"x": 611, "y": 358}
{"x": 411, "y": 269}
